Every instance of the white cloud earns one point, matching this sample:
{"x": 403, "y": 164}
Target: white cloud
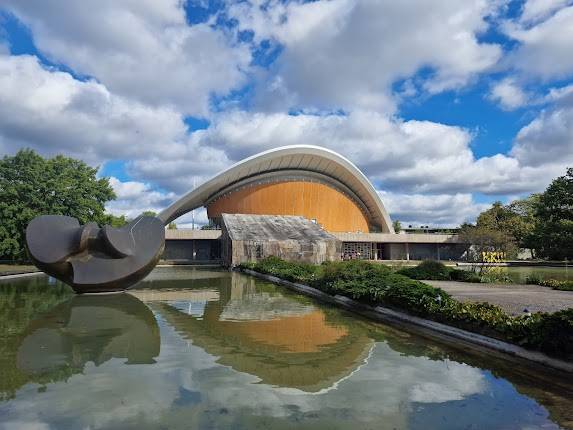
{"x": 508, "y": 94}
{"x": 141, "y": 49}
{"x": 401, "y": 156}
{"x": 133, "y": 198}
{"x": 425, "y": 171}
{"x": 428, "y": 209}
{"x": 180, "y": 171}
{"x": 347, "y": 54}
{"x": 537, "y": 10}
{"x": 548, "y": 139}
{"x": 544, "y": 49}
{"x": 53, "y": 113}
{"x": 558, "y": 94}
{"x": 150, "y": 68}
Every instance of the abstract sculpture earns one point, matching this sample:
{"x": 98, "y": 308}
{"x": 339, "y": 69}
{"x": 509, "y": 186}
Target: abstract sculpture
{"x": 92, "y": 259}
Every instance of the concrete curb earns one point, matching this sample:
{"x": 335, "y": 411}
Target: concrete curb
{"x": 20, "y": 275}
{"x": 432, "y": 328}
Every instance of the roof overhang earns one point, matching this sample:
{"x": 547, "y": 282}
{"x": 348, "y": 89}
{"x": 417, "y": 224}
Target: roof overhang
{"x": 286, "y": 159}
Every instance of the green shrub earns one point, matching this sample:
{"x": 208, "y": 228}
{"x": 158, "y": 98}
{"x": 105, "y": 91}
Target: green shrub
{"x": 491, "y": 275}
{"x": 378, "y": 284}
{"x": 565, "y": 285}
{"x": 295, "y": 272}
{"x": 533, "y": 279}
{"x": 436, "y": 271}
{"x": 553, "y": 333}
{"x": 558, "y": 285}
{"x": 428, "y": 269}
{"x": 464, "y": 275}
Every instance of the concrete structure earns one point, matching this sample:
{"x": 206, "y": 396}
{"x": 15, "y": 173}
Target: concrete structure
{"x": 304, "y": 181}
{"x": 248, "y": 238}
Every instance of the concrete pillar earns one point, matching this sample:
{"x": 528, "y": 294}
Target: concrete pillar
{"x": 438, "y": 250}
{"x": 375, "y": 247}
{"x": 407, "y": 251}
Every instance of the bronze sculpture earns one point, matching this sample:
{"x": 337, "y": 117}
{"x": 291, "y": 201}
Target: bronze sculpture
{"x": 92, "y": 259}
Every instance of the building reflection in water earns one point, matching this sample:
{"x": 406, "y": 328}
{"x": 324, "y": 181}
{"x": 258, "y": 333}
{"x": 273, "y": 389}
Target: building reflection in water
{"x": 282, "y": 339}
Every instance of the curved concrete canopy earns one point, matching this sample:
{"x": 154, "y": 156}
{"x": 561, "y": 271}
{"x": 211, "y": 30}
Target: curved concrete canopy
{"x": 304, "y": 158}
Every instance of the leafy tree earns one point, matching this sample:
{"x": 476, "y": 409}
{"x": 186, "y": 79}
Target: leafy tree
{"x": 31, "y": 185}
{"x": 485, "y": 238}
{"x": 515, "y": 221}
{"x": 397, "y": 226}
{"x": 522, "y": 225}
{"x": 554, "y": 211}
{"x": 149, "y": 213}
{"x": 172, "y": 226}
{"x": 116, "y": 221}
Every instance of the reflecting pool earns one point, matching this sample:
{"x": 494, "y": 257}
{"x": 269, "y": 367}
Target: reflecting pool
{"x": 199, "y": 348}
{"x": 520, "y": 274}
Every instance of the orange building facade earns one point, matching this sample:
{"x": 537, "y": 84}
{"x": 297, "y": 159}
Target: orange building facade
{"x": 334, "y": 210}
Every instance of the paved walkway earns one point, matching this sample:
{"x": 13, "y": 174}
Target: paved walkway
{"x": 513, "y": 298}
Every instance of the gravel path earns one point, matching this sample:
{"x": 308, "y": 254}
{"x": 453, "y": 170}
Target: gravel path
{"x": 513, "y": 298}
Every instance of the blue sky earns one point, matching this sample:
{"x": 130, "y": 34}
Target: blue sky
{"x": 446, "y": 105}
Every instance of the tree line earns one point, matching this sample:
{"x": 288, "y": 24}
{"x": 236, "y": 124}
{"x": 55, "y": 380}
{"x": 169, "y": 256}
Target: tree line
{"x": 542, "y": 223}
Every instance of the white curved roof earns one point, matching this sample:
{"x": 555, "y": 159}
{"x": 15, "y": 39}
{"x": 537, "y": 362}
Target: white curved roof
{"x": 307, "y": 158}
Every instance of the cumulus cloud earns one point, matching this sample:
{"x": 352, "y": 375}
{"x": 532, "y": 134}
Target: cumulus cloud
{"x": 548, "y": 139}
{"x": 347, "y": 54}
{"x": 140, "y": 49}
{"x": 133, "y": 198}
{"x": 182, "y": 170}
{"x": 544, "y": 49}
{"x": 537, "y": 10}
{"x": 52, "y": 112}
{"x": 508, "y": 94}
{"x": 400, "y": 156}
{"x": 438, "y": 209}
{"x": 144, "y": 68}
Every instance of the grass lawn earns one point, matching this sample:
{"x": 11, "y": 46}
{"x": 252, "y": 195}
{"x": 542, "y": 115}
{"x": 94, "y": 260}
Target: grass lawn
{"x": 12, "y": 269}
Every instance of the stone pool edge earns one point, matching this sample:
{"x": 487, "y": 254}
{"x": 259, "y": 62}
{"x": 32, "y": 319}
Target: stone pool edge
{"x": 20, "y": 275}
{"x": 432, "y": 328}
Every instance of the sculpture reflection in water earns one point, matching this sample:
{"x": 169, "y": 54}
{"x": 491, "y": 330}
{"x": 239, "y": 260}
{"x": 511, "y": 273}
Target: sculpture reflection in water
{"x": 83, "y": 329}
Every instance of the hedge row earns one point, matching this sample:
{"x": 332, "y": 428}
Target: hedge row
{"x": 436, "y": 271}
{"x": 378, "y": 284}
{"x": 551, "y": 283}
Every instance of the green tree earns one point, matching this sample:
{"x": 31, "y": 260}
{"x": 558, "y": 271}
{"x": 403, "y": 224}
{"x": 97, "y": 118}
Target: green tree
{"x": 149, "y": 213}
{"x": 31, "y": 185}
{"x": 554, "y": 211}
{"x": 516, "y": 221}
{"x": 485, "y": 238}
{"x": 397, "y": 226}
{"x": 115, "y": 221}
{"x": 172, "y": 226}
{"x": 522, "y": 224}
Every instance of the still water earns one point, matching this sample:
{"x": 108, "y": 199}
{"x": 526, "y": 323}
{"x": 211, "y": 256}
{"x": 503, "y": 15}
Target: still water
{"x": 519, "y": 274}
{"x": 209, "y": 349}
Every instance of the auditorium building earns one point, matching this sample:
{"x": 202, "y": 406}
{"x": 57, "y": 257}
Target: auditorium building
{"x": 299, "y": 202}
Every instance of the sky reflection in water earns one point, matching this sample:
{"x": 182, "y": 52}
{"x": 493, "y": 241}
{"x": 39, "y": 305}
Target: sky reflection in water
{"x": 211, "y": 349}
